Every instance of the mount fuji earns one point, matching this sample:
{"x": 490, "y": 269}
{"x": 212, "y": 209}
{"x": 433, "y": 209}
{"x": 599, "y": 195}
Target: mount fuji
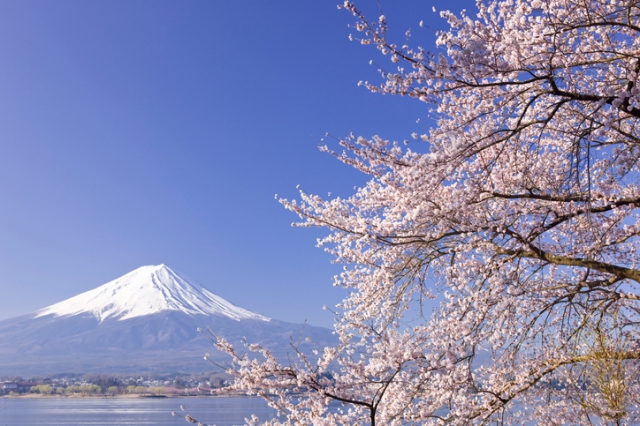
{"x": 146, "y": 291}
{"x": 144, "y": 321}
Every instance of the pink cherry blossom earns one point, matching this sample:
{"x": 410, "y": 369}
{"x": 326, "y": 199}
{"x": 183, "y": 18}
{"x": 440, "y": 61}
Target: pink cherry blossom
{"x": 517, "y": 217}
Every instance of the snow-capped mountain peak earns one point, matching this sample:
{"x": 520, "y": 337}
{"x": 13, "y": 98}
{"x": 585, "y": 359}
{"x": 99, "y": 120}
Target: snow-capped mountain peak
{"x": 145, "y": 291}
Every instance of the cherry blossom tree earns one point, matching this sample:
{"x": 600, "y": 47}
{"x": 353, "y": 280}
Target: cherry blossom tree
{"x": 516, "y": 215}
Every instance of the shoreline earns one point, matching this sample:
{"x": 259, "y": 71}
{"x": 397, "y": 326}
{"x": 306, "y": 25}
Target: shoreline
{"x": 121, "y": 396}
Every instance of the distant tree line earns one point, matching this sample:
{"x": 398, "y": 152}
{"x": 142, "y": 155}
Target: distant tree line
{"x": 117, "y": 384}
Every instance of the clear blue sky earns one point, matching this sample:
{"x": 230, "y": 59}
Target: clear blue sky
{"x": 147, "y": 132}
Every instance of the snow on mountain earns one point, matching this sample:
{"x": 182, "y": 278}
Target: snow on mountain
{"x": 146, "y": 320}
{"x": 145, "y": 291}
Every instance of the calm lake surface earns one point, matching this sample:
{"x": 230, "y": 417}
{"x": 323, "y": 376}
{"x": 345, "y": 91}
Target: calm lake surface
{"x": 135, "y": 411}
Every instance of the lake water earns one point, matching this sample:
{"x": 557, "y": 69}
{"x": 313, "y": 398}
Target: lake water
{"x": 134, "y": 411}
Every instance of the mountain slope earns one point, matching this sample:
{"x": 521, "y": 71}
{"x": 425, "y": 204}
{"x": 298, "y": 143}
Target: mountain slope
{"x": 146, "y": 291}
{"x": 146, "y": 320}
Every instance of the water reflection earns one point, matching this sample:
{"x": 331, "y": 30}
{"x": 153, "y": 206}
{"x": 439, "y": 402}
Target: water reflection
{"x": 137, "y": 411}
